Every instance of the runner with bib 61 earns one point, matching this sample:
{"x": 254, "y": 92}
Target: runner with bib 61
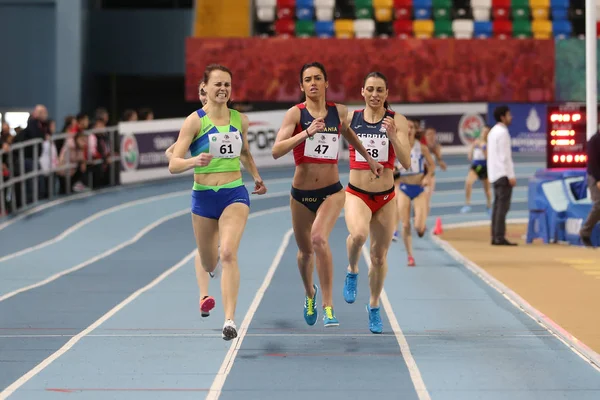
{"x": 312, "y": 131}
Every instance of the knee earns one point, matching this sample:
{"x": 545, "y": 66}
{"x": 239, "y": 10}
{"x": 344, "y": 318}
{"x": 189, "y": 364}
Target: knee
{"x": 304, "y": 255}
{"x": 406, "y": 225}
{"x": 358, "y": 239}
{"x": 228, "y": 256}
{"x": 319, "y": 241}
{"x": 378, "y": 258}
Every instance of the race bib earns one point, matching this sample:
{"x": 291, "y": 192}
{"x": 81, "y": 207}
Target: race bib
{"x": 225, "y": 144}
{"x": 378, "y": 148}
{"x": 322, "y": 145}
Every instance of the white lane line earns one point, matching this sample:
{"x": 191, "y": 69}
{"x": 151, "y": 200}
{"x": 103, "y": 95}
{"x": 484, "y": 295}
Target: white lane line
{"x": 265, "y": 335}
{"x": 67, "y": 346}
{"x": 574, "y": 344}
{"x": 107, "y": 253}
{"x": 72, "y": 229}
{"x": 129, "y": 242}
{"x": 219, "y": 381}
{"x": 413, "y": 369}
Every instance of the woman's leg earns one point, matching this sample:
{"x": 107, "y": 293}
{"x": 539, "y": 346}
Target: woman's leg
{"x": 231, "y": 228}
{"x": 358, "y": 216}
{"x": 302, "y": 220}
{"x": 382, "y": 230}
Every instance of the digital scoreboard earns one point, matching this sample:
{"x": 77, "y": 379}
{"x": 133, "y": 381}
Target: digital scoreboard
{"x": 566, "y": 136}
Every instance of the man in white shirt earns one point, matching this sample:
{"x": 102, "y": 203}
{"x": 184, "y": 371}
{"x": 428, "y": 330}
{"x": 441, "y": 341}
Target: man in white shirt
{"x": 501, "y": 173}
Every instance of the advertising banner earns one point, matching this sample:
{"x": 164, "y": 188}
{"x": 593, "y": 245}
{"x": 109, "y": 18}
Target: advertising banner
{"x": 456, "y": 125}
{"x": 417, "y": 71}
{"x": 143, "y": 143}
{"x": 528, "y": 127}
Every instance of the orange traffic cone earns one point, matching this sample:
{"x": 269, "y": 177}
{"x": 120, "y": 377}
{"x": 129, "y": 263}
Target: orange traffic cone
{"x": 438, "y": 227}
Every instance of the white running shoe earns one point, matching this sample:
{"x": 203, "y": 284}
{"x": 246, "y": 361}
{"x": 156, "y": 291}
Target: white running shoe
{"x": 229, "y": 330}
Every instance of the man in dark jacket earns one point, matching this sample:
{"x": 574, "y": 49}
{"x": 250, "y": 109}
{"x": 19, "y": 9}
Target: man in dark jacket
{"x": 593, "y": 180}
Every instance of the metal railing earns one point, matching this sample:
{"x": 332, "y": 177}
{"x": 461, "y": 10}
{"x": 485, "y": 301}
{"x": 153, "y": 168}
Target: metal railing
{"x": 28, "y": 183}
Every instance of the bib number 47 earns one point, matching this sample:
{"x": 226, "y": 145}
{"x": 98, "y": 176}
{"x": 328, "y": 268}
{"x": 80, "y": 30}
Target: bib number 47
{"x": 321, "y": 149}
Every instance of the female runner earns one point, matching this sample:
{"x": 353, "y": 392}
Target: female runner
{"x": 370, "y": 206}
{"x": 217, "y": 138}
{"x": 312, "y": 130}
{"x": 478, "y": 170}
{"x": 207, "y": 303}
{"x": 412, "y": 187}
{"x": 435, "y": 148}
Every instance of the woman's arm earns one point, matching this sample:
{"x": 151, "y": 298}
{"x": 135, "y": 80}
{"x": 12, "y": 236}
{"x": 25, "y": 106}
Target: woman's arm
{"x": 177, "y": 162}
{"x": 248, "y": 161}
{"x": 399, "y": 139}
{"x": 285, "y": 142}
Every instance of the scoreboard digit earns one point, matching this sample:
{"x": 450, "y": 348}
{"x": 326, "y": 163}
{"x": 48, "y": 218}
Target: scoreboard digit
{"x": 566, "y": 136}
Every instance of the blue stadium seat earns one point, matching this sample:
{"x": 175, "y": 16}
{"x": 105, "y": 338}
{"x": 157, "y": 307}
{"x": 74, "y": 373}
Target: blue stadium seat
{"x": 324, "y": 29}
{"x": 562, "y": 29}
{"x": 422, "y": 3}
{"x": 482, "y": 29}
{"x": 423, "y": 13}
{"x": 559, "y": 3}
{"x": 559, "y": 9}
{"x": 305, "y": 13}
{"x": 307, "y": 3}
{"x": 560, "y": 14}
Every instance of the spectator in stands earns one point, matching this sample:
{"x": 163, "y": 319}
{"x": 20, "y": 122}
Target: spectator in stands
{"x": 36, "y": 129}
{"x": 130, "y": 115}
{"x": 71, "y": 127}
{"x": 5, "y": 130}
{"x": 83, "y": 122}
{"x": 100, "y": 148}
{"x": 146, "y": 114}
{"x": 5, "y": 140}
{"x": 501, "y": 173}
{"x": 48, "y": 160}
{"x": 75, "y": 152}
{"x": 593, "y": 180}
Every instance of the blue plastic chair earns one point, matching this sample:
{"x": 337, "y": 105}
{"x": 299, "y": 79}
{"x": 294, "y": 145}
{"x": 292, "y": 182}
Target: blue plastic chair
{"x": 324, "y": 29}
{"x": 482, "y": 29}
{"x": 305, "y": 13}
{"x": 537, "y": 226}
{"x": 562, "y": 29}
{"x": 305, "y": 4}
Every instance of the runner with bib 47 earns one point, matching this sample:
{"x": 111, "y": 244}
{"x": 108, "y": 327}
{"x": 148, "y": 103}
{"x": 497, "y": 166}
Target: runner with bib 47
{"x": 312, "y": 131}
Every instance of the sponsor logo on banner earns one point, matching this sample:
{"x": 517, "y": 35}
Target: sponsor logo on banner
{"x": 130, "y": 153}
{"x": 470, "y": 127}
{"x": 528, "y": 127}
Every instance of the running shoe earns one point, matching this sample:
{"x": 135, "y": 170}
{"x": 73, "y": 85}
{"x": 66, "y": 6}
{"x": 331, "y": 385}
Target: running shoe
{"x": 375, "y": 324}
{"x": 207, "y": 303}
{"x": 310, "y": 308}
{"x": 411, "y": 261}
{"x": 229, "y": 330}
{"x": 465, "y": 209}
{"x": 329, "y": 319}
{"x": 350, "y": 287}
{"x": 396, "y": 236}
